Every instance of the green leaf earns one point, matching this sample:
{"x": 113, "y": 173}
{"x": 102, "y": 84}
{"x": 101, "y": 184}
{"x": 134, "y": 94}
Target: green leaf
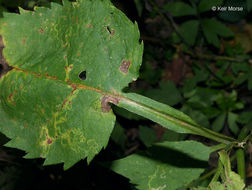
{"x": 232, "y": 118}
{"x": 240, "y": 67}
{"x": 206, "y": 5}
{"x": 169, "y": 135}
{"x": 165, "y": 166}
{"x": 178, "y": 9}
{"x": 139, "y": 5}
{"x": 2, "y": 9}
{"x": 240, "y": 79}
{"x": 168, "y": 93}
{"x": 213, "y": 28}
{"x": 219, "y": 122}
{"x": 147, "y": 135}
{"x": 196, "y": 115}
{"x": 203, "y": 97}
{"x": 48, "y": 107}
{"x": 244, "y": 117}
{"x": 249, "y": 5}
{"x": 118, "y": 135}
{"x": 250, "y": 80}
{"x": 189, "y": 31}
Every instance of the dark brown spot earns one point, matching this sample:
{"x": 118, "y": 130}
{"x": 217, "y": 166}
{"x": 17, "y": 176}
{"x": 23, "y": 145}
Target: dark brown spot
{"x": 49, "y": 141}
{"x": 41, "y": 31}
{"x": 10, "y": 97}
{"x": 124, "y": 67}
{"x": 74, "y": 87}
{"x": 105, "y": 103}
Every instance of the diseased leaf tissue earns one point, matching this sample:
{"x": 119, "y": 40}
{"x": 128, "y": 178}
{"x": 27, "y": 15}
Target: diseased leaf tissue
{"x": 69, "y": 62}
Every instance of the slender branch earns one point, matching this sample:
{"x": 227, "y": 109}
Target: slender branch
{"x": 196, "y": 55}
{"x": 169, "y": 20}
{"x": 214, "y": 57}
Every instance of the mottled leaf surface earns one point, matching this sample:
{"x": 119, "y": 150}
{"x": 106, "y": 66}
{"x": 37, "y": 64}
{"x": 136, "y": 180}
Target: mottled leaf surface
{"x": 67, "y": 63}
{"x": 165, "y": 166}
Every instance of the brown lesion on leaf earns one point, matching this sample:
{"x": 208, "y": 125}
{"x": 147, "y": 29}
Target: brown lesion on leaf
{"x": 41, "y": 31}
{"x": 11, "y": 98}
{"x": 106, "y": 99}
{"x": 4, "y": 67}
{"x": 49, "y": 141}
{"x": 124, "y": 67}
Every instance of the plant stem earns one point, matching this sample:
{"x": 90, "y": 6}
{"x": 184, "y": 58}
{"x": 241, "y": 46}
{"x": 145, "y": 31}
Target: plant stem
{"x": 240, "y": 153}
{"x": 214, "y": 57}
{"x": 241, "y": 163}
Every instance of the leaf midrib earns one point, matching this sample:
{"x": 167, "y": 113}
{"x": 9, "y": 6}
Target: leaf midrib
{"x": 196, "y": 129}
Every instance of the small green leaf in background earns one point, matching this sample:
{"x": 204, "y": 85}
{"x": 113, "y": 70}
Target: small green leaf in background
{"x": 250, "y": 80}
{"x": 169, "y": 135}
{"x": 249, "y": 5}
{"x": 2, "y": 9}
{"x": 168, "y": 93}
{"x": 206, "y": 5}
{"x": 212, "y": 29}
{"x": 166, "y": 166}
{"x": 196, "y": 115}
{"x": 241, "y": 78}
{"x": 147, "y": 135}
{"x": 189, "y": 30}
{"x": 118, "y": 135}
{"x": 229, "y": 102}
{"x": 149, "y": 74}
{"x": 218, "y": 123}
{"x": 139, "y": 5}
{"x": 240, "y": 67}
{"x": 178, "y": 9}
{"x": 232, "y": 118}
{"x": 203, "y": 97}
{"x": 244, "y": 117}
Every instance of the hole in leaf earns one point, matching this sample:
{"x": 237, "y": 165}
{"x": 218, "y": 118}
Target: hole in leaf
{"x": 108, "y": 28}
{"x": 1, "y": 68}
{"x": 82, "y": 75}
